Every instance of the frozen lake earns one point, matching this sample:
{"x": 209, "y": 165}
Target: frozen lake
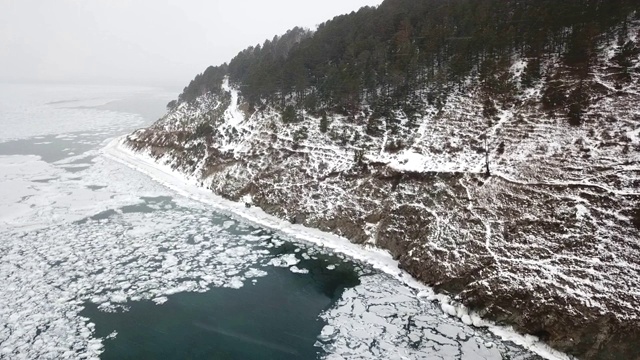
{"x": 98, "y": 260}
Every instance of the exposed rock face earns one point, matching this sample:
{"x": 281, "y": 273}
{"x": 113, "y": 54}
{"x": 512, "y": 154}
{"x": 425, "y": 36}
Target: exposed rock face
{"x": 548, "y": 241}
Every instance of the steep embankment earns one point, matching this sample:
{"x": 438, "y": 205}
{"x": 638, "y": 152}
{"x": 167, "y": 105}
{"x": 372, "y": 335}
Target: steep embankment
{"x": 548, "y": 241}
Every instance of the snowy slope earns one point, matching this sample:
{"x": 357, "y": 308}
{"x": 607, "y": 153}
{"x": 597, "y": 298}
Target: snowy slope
{"x": 549, "y": 242}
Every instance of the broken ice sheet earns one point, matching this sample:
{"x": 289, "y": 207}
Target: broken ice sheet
{"x": 383, "y": 319}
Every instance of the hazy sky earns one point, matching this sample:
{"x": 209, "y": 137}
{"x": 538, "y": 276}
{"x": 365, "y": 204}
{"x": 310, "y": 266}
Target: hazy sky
{"x": 142, "y": 42}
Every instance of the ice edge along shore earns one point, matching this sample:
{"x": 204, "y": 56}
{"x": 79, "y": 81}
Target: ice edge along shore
{"x": 116, "y": 150}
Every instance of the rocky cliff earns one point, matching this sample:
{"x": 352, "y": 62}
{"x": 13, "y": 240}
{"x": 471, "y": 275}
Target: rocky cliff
{"x": 522, "y": 207}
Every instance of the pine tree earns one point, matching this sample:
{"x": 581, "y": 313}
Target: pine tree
{"x": 324, "y": 123}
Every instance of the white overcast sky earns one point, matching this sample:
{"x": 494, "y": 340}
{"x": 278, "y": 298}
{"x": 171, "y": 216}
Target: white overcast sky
{"x": 142, "y": 42}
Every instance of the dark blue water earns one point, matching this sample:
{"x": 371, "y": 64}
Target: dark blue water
{"x": 277, "y": 317}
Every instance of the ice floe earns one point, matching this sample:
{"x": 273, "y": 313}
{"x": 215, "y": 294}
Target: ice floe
{"x": 382, "y": 319}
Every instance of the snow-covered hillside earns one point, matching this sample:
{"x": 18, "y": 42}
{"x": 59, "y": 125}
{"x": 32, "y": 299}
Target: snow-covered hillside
{"x": 548, "y": 241}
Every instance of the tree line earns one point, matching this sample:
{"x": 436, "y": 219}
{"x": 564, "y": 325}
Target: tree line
{"x": 383, "y": 55}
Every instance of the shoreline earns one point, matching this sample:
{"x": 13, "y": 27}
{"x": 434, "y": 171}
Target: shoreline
{"x": 378, "y": 258}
